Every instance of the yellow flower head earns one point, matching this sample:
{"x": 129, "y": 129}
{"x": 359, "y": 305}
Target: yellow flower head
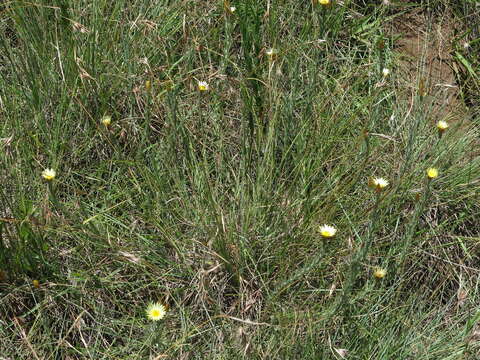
{"x": 442, "y": 125}
{"x": 156, "y": 311}
{"x": 378, "y": 183}
{"x": 380, "y": 273}
{"x": 324, "y": 2}
{"x": 148, "y": 85}
{"x": 106, "y": 120}
{"x": 49, "y": 174}
{"x": 36, "y": 283}
{"x": 432, "y": 173}
{"x": 327, "y": 231}
{"x": 203, "y": 86}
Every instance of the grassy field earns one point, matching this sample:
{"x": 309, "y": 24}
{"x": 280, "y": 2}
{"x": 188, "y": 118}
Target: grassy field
{"x": 199, "y": 148}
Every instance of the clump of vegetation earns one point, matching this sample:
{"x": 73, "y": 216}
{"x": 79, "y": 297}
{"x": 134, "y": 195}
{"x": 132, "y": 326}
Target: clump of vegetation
{"x": 223, "y": 180}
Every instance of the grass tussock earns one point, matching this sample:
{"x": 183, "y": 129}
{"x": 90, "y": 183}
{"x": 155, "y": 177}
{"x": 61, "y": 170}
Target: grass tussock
{"x": 226, "y": 180}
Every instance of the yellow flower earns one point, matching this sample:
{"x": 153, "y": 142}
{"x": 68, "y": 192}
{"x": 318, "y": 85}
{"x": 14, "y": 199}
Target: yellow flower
{"x": 156, "y": 311}
{"x": 380, "y": 273}
{"x": 378, "y": 183}
{"x": 442, "y": 125}
{"x": 49, "y": 174}
{"x": 148, "y": 85}
{"x": 36, "y": 283}
{"x": 432, "y": 173}
{"x": 327, "y": 231}
{"x": 203, "y": 86}
{"x": 106, "y": 120}
{"x": 324, "y": 2}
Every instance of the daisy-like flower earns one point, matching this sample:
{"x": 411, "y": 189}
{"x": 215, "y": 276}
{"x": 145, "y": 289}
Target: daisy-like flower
{"x": 156, "y": 311}
{"x": 442, "y": 125}
{"x": 49, "y": 174}
{"x": 324, "y": 2}
{"x": 327, "y": 231}
{"x": 106, "y": 120}
{"x": 380, "y": 273}
{"x": 203, "y": 86}
{"x": 385, "y": 72}
{"x": 378, "y": 183}
{"x": 432, "y": 173}
{"x": 232, "y": 9}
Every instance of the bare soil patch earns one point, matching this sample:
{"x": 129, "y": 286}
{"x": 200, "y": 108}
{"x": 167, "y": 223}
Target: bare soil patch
{"x": 424, "y": 51}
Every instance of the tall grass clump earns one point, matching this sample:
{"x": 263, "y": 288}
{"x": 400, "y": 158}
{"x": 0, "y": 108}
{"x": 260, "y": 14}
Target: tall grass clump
{"x": 232, "y": 179}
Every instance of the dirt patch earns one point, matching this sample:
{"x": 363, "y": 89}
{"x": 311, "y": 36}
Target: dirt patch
{"x": 424, "y": 51}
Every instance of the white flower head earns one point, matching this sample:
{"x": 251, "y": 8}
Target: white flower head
{"x": 327, "y": 231}
{"x": 156, "y": 311}
{"x": 378, "y": 183}
{"x": 49, "y": 174}
{"x": 203, "y": 86}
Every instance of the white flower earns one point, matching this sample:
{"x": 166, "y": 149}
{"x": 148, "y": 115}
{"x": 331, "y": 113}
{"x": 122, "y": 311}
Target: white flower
{"x": 156, "y": 311}
{"x": 49, "y": 174}
{"x": 379, "y": 183}
{"x": 327, "y": 231}
{"x": 203, "y": 86}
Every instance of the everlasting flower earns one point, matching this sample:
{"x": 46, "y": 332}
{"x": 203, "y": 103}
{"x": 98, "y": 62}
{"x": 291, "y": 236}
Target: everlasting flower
{"x": 203, "y": 86}
{"x": 232, "y": 9}
{"x": 36, "y": 284}
{"x": 324, "y": 2}
{"x": 385, "y": 72}
{"x": 106, "y": 120}
{"x": 49, "y": 174}
{"x": 156, "y": 311}
{"x": 432, "y": 173}
{"x": 380, "y": 273}
{"x": 327, "y": 231}
{"x": 148, "y": 85}
{"x": 378, "y": 183}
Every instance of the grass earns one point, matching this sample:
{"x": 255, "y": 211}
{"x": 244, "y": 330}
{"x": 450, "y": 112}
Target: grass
{"x": 210, "y": 202}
